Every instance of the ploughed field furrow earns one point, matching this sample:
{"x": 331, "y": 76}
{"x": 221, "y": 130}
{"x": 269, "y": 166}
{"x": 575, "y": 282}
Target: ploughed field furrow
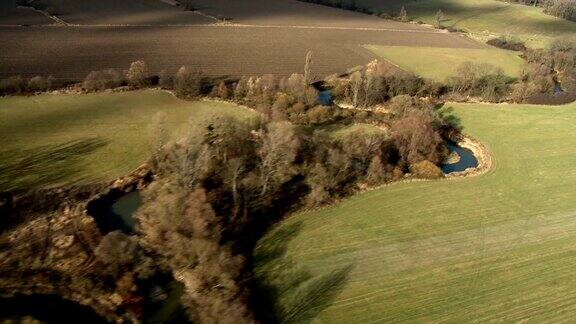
{"x": 125, "y": 12}
{"x": 293, "y": 13}
{"x": 72, "y": 52}
{"x": 22, "y": 16}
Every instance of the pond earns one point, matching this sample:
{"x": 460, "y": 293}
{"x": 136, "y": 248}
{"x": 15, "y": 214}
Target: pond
{"x": 467, "y": 160}
{"x": 123, "y": 211}
{"x": 46, "y": 309}
{"x": 115, "y": 212}
{"x": 325, "y": 97}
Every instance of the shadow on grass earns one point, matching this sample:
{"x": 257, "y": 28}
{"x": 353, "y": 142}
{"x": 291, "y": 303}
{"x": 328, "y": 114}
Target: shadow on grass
{"x": 44, "y": 165}
{"x": 286, "y": 292}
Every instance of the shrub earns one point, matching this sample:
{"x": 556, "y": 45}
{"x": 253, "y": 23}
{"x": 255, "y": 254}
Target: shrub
{"x": 137, "y": 75}
{"x": 165, "y": 80}
{"x": 319, "y": 115}
{"x": 416, "y": 138}
{"x": 522, "y": 92}
{"x": 375, "y": 173}
{"x": 12, "y": 85}
{"x": 222, "y": 91}
{"x": 507, "y": 44}
{"x": 426, "y": 169}
{"x": 37, "y": 84}
{"x": 480, "y": 80}
{"x": 187, "y": 83}
{"x": 561, "y": 8}
{"x": 102, "y": 80}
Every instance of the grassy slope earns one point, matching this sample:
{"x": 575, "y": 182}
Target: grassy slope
{"x": 499, "y": 247}
{"x": 485, "y": 18}
{"x": 440, "y": 63}
{"x": 55, "y": 139}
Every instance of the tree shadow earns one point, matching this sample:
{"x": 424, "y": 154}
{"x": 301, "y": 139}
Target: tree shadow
{"x": 44, "y": 165}
{"x": 287, "y": 292}
{"x": 451, "y": 119}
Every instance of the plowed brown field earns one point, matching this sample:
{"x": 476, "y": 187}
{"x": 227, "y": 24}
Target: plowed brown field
{"x": 72, "y": 52}
{"x": 22, "y": 16}
{"x": 123, "y": 12}
{"x": 294, "y": 13}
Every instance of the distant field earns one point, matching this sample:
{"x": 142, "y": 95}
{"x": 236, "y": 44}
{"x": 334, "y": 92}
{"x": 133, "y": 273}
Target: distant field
{"x": 55, "y": 139}
{"x": 485, "y": 18}
{"x": 22, "y": 16}
{"x": 440, "y": 63}
{"x": 123, "y": 12}
{"x": 294, "y": 13}
{"x": 494, "y": 248}
{"x": 72, "y": 52}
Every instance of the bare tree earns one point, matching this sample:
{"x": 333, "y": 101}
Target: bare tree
{"x": 356, "y": 86}
{"x": 308, "y": 68}
{"x": 439, "y": 18}
{"x": 375, "y": 173}
{"x": 403, "y": 16}
{"x": 278, "y": 152}
{"x": 188, "y": 83}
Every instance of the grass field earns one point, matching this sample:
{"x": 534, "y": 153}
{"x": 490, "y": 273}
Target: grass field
{"x": 60, "y": 139}
{"x": 498, "y": 247}
{"x": 485, "y": 19}
{"x": 440, "y": 63}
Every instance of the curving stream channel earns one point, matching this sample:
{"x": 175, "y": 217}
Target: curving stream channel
{"x": 467, "y": 160}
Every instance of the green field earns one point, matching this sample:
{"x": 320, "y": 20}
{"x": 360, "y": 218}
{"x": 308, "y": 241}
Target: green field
{"x": 498, "y": 247}
{"x": 484, "y": 19}
{"x": 51, "y": 140}
{"x": 440, "y": 63}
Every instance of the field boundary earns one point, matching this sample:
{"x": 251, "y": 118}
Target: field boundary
{"x": 64, "y": 24}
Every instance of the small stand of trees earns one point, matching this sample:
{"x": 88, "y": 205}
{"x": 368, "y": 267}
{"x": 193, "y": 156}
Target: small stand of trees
{"x": 560, "y": 8}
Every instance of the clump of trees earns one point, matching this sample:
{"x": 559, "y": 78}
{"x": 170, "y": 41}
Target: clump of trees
{"x": 507, "y": 43}
{"x": 560, "y": 8}
{"x": 102, "y": 80}
{"x": 188, "y": 83}
{"x": 481, "y": 80}
{"x": 19, "y": 85}
{"x": 550, "y": 76}
{"x": 377, "y": 83}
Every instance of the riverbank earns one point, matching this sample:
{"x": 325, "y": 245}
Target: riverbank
{"x": 51, "y": 252}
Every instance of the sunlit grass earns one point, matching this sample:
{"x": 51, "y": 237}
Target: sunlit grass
{"x": 498, "y": 247}
{"x": 440, "y": 63}
{"x": 51, "y": 140}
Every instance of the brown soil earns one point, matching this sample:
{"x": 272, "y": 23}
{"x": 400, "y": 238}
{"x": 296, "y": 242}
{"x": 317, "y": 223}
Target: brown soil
{"x": 72, "y": 52}
{"x": 124, "y": 12}
{"x": 22, "y": 16}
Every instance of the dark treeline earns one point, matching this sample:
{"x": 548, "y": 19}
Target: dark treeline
{"x": 560, "y": 8}
{"x": 550, "y": 75}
